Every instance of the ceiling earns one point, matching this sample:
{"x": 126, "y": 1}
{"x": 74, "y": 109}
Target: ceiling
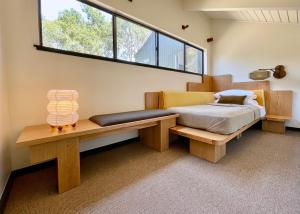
{"x": 258, "y": 15}
{"x": 262, "y": 11}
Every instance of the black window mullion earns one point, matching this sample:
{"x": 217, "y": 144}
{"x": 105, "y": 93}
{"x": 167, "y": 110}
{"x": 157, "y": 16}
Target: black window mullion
{"x": 40, "y": 21}
{"x": 157, "y": 48}
{"x": 115, "y": 41}
{"x": 184, "y": 57}
{"x": 202, "y": 63}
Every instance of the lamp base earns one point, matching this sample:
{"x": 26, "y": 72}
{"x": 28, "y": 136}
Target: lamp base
{"x": 60, "y": 128}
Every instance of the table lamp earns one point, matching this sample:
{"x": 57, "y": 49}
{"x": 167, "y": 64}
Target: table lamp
{"x": 62, "y": 108}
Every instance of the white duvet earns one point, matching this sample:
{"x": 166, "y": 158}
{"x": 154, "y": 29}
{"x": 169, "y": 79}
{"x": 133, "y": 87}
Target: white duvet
{"x": 218, "y": 118}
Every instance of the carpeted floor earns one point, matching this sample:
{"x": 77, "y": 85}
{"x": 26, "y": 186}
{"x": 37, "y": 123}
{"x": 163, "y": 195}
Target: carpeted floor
{"x": 260, "y": 174}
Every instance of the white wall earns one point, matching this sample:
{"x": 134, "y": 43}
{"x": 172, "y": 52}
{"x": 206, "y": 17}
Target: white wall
{"x": 4, "y": 118}
{"x": 240, "y": 48}
{"x": 104, "y": 87}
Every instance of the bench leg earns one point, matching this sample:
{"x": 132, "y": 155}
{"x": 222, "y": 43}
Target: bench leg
{"x": 68, "y": 161}
{"x": 68, "y": 164}
{"x": 212, "y": 153}
{"x": 157, "y": 137}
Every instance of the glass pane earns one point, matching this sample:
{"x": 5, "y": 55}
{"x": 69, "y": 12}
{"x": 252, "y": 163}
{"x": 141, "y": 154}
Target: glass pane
{"x": 73, "y": 26}
{"x": 171, "y": 53}
{"x": 194, "y": 60}
{"x": 135, "y": 43}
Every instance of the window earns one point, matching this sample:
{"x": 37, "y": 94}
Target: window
{"x": 171, "y": 53}
{"x": 135, "y": 43}
{"x": 73, "y": 26}
{"x": 194, "y": 60}
{"x": 82, "y": 28}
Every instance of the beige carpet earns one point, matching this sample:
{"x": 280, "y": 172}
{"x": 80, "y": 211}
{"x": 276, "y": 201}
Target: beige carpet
{"x": 260, "y": 174}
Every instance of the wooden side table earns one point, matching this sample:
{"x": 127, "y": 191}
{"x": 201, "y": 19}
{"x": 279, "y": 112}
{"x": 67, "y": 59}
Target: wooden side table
{"x": 275, "y": 123}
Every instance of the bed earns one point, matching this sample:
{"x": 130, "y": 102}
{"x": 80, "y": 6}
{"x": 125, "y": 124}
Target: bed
{"x": 218, "y": 118}
{"x": 208, "y": 125}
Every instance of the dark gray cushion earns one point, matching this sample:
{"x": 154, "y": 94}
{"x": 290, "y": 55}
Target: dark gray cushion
{"x": 126, "y": 117}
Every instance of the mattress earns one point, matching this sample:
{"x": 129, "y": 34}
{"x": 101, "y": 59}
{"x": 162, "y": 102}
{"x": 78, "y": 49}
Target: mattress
{"x": 217, "y": 118}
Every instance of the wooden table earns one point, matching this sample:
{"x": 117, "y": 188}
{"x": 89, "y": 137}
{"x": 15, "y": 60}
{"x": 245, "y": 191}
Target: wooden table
{"x": 48, "y": 144}
{"x": 275, "y": 123}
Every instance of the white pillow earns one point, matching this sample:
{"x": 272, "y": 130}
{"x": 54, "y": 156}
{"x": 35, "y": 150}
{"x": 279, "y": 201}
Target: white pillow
{"x": 252, "y": 102}
{"x": 249, "y": 101}
{"x": 236, "y": 92}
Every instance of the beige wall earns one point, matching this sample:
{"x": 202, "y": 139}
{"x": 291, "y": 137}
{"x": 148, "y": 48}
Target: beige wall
{"x": 4, "y": 118}
{"x": 240, "y": 48}
{"x": 104, "y": 87}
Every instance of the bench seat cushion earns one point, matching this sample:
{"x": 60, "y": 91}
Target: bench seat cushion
{"x": 126, "y": 117}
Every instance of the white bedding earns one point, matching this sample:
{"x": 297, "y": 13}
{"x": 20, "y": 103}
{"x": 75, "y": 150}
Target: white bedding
{"x": 218, "y": 118}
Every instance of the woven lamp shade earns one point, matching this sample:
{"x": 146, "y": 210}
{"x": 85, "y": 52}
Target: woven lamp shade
{"x": 260, "y": 74}
{"x": 62, "y": 107}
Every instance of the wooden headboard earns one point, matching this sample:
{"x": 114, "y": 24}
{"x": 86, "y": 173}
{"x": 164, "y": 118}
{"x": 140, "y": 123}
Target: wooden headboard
{"x": 152, "y": 100}
{"x": 224, "y": 82}
{"x": 277, "y": 102}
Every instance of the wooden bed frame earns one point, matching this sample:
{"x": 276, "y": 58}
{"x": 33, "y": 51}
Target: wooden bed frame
{"x": 212, "y": 146}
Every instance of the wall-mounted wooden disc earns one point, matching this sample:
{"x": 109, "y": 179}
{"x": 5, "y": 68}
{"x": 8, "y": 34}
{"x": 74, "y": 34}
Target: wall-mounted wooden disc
{"x": 279, "y": 72}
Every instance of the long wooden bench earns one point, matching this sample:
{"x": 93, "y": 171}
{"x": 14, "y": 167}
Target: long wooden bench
{"x": 47, "y": 144}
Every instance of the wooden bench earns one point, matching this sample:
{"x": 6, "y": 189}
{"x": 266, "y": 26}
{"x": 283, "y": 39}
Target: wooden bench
{"x": 48, "y": 144}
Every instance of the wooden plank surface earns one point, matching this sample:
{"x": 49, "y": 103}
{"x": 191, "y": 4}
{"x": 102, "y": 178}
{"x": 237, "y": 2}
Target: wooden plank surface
{"x": 43, "y": 152}
{"x": 274, "y": 126}
{"x": 198, "y": 134}
{"x": 277, "y": 118}
{"x": 212, "y": 153}
{"x": 34, "y": 135}
{"x": 68, "y": 164}
{"x": 281, "y": 103}
{"x": 206, "y": 86}
{"x": 208, "y": 137}
{"x": 119, "y": 131}
{"x": 152, "y": 100}
{"x": 157, "y": 137}
{"x": 221, "y": 83}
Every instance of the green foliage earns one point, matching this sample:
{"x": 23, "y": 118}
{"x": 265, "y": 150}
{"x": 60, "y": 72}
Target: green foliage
{"x": 131, "y": 38}
{"x": 86, "y": 31}
{"x": 90, "y": 31}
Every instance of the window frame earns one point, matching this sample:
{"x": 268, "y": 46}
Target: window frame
{"x": 115, "y": 39}
{"x": 185, "y": 59}
{"x": 184, "y": 55}
{"x": 157, "y": 32}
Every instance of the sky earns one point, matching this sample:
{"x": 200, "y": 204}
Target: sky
{"x": 51, "y": 8}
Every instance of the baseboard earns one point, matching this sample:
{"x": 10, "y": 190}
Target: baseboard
{"x": 5, "y": 194}
{"x": 52, "y": 163}
{"x": 293, "y": 129}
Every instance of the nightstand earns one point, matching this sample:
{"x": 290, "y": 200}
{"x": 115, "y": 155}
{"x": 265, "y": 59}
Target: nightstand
{"x": 275, "y": 123}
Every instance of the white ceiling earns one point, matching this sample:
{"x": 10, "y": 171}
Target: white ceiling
{"x": 258, "y": 15}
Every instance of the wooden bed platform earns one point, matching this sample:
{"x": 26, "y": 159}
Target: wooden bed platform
{"x": 207, "y": 145}
{"x": 211, "y": 146}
